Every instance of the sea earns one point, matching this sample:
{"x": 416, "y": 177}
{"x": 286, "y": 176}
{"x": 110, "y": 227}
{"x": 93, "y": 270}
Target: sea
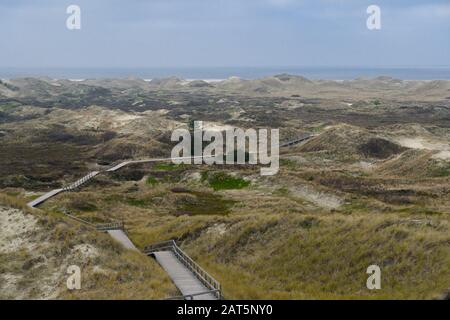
{"x": 219, "y": 73}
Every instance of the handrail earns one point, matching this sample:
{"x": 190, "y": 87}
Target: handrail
{"x": 80, "y": 220}
{"x": 200, "y": 273}
{"x": 296, "y": 141}
{"x": 88, "y": 177}
{"x": 110, "y": 226}
{"x": 157, "y": 246}
{"x": 191, "y": 296}
{"x": 205, "y": 278}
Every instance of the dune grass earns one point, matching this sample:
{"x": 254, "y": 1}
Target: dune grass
{"x": 272, "y": 245}
{"x": 296, "y": 257}
{"x": 111, "y": 273}
{"x": 18, "y": 203}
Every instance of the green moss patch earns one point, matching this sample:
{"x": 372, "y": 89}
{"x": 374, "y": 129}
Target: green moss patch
{"x": 203, "y": 203}
{"x": 223, "y": 181}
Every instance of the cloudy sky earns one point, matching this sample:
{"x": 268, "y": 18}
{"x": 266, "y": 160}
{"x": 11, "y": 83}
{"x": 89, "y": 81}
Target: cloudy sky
{"x": 179, "y": 33}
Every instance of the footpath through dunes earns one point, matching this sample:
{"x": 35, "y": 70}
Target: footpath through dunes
{"x": 77, "y": 184}
{"x": 44, "y": 198}
{"x": 121, "y": 237}
{"x": 193, "y": 282}
{"x": 187, "y": 276}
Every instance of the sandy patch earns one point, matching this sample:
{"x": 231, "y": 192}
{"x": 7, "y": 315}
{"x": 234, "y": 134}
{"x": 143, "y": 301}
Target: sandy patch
{"x": 219, "y": 229}
{"x": 44, "y": 273}
{"x": 14, "y": 227}
{"x": 9, "y": 283}
{"x": 86, "y": 251}
{"x": 365, "y": 165}
{"x": 195, "y": 176}
{"x": 442, "y": 155}
{"x": 319, "y": 198}
{"x": 421, "y": 143}
{"x": 126, "y": 118}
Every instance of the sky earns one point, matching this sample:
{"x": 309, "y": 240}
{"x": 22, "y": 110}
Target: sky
{"x": 223, "y": 33}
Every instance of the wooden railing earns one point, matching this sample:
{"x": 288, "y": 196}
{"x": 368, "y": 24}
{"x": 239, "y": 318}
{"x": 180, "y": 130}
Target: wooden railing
{"x": 205, "y": 278}
{"x": 110, "y": 226}
{"x": 81, "y": 181}
{"x": 296, "y": 141}
{"x": 80, "y": 220}
{"x": 192, "y": 296}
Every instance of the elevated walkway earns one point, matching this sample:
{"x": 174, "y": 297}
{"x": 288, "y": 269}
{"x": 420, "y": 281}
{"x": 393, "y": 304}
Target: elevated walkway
{"x": 193, "y": 282}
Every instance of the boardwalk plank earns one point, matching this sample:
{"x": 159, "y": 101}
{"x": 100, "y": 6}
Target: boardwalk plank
{"x": 184, "y": 279}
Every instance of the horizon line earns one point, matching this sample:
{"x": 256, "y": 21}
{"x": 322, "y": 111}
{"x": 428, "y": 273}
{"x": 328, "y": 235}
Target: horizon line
{"x": 231, "y": 67}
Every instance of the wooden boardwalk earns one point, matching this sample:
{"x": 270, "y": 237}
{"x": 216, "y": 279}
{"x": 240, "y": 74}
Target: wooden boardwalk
{"x": 297, "y": 141}
{"x": 188, "y": 284}
{"x": 44, "y": 198}
{"x": 192, "y": 280}
{"x": 81, "y": 181}
{"x": 77, "y": 184}
{"x": 120, "y": 236}
{"x": 93, "y": 174}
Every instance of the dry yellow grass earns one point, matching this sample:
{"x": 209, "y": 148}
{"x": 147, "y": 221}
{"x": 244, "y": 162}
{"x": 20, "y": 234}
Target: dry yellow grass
{"x": 282, "y": 246}
{"x": 17, "y": 203}
{"x": 37, "y": 268}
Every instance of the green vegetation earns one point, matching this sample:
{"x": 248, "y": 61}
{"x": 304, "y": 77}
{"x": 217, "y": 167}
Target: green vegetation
{"x": 9, "y": 106}
{"x": 137, "y": 202}
{"x": 348, "y": 198}
{"x": 152, "y": 181}
{"x": 288, "y": 163}
{"x": 203, "y": 203}
{"x": 441, "y": 171}
{"x": 224, "y": 181}
{"x": 377, "y": 102}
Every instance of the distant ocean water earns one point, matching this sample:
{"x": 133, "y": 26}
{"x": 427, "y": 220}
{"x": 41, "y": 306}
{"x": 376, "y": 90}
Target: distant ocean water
{"x": 325, "y": 73}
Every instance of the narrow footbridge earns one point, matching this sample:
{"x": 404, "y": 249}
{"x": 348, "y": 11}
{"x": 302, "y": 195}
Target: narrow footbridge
{"x": 74, "y": 186}
{"x": 117, "y": 231}
{"x": 297, "y": 141}
{"x": 77, "y": 184}
{"x": 193, "y": 282}
{"x": 44, "y": 198}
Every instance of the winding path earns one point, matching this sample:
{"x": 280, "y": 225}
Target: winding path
{"x": 193, "y": 282}
{"x": 93, "y": 174}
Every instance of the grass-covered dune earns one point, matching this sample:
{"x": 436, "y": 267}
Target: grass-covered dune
{"x": 294, "y": 256}
{"x": 37, "y": 247}
{"x": 265, "y": 242}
